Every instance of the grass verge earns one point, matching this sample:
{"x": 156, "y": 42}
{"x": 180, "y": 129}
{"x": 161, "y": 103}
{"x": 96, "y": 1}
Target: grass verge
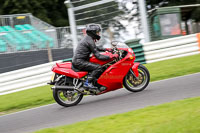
{"x": 25, "y": 99}
{"x": 175, "y": 117}
{"x": 43, "y": 95}
{"x": 174, "y": 67}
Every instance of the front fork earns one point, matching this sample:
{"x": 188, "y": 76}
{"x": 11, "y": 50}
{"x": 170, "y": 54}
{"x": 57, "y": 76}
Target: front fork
{"x": 134, "y": 70}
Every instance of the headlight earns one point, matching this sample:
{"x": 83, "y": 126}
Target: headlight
{"x": 130, "y": 50}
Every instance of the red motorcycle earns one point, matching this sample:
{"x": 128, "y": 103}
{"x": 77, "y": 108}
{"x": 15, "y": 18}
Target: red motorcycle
{"x": 118, "y": 72}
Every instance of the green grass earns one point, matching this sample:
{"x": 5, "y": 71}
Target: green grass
{"x": 174, "y": 67}
{"x": 43, "y": 95}
{"x": 25, "y": 99}
{"x": 176, "y": 117}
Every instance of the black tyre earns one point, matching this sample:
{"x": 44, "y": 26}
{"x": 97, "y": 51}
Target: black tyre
{"x": 66, "y": 98}
{"x": 134, "y": 85}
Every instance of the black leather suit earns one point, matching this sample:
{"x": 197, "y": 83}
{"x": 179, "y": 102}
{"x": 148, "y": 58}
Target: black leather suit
{"x": 82, "y": 54}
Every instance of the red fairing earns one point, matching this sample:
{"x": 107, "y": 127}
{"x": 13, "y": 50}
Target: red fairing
{"x": 113, "y": 77}
{"x": 65, "y": 69}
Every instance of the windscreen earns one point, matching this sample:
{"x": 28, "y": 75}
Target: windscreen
{"x": 119, "y": 44}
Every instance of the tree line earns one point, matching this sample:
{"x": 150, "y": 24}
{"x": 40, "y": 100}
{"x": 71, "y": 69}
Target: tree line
{"x": 51, "y": 11}
{"x": 55, "y": 12}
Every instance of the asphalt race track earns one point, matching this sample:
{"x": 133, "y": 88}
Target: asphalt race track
{"x": 95, "y": 106}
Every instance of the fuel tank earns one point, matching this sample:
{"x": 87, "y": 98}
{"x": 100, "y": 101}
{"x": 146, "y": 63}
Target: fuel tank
{"x": 93, "y": 59}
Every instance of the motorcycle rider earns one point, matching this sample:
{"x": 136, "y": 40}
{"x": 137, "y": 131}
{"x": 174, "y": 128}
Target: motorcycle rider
{"x": 87, "y": 46}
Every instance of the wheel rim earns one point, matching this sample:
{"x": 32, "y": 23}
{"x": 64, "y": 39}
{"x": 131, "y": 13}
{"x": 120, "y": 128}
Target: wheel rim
{"x": 68, "y": 97}
{"x": 135, "y": 84}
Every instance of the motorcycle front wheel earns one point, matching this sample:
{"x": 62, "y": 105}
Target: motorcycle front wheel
{"x": 66, "y": 98}
{"x": 135, "y": 85}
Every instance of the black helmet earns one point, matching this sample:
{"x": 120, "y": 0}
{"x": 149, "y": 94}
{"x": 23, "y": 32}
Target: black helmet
{"x": 92, "y": 29}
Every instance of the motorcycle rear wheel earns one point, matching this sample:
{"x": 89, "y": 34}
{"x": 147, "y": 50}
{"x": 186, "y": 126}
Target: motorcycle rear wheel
{"x": 134, "y": 85}
{"x": 66, "y": 98}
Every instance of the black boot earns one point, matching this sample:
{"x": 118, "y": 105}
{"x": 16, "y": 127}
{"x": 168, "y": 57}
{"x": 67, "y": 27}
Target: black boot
{"x": 89, "y": 85}
{"x": 91, "y": 77}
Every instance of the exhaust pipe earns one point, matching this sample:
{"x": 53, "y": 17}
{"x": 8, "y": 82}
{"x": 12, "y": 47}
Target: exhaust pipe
{"x": 70, "y": 88}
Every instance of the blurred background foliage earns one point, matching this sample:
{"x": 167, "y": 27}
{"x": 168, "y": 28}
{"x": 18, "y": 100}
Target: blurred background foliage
{"x": 55, "y": 12}
{"x": 51, "y": 11}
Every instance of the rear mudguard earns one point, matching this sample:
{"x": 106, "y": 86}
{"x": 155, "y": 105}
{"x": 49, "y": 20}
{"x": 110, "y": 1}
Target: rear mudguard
{"x": 135, "y": 69}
